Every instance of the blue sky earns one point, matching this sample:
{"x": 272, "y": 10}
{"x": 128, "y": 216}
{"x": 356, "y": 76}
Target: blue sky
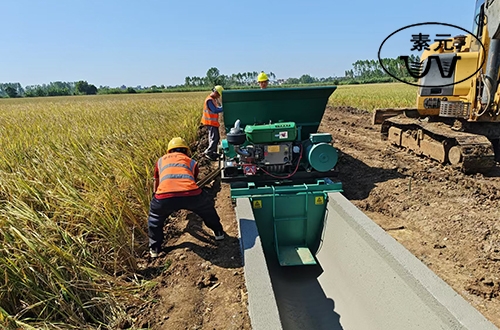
{"x": 154, "y": 42}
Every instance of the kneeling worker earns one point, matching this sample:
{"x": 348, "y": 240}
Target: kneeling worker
{"x": 175, "y": 188}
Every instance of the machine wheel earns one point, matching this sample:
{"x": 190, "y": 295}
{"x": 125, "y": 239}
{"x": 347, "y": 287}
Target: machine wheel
{"x": 455, "y": 155}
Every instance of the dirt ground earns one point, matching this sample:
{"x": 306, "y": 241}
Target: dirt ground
{"x": 200, "y": 281}
{"x": 447, "y": 219}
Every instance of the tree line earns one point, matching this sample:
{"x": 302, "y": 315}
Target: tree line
{"x": 214, "y": 77}
{"x": 372, "y": 69}
{"x": 362, "y": 72}
{"x": 57, "y": 88}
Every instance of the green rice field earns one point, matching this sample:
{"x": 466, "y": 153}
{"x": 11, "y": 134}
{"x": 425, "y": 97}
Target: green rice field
{"x": 75, "y": 184}
{"x": 372, "y": 96}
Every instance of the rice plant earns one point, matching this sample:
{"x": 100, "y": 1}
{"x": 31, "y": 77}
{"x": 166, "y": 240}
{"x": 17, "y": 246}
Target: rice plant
{"x": 372, "y": 96}
{"x": 75, "y": 184}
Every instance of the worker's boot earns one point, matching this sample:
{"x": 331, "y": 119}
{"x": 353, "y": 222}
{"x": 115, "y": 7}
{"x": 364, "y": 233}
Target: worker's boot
{"x": 212, "y": 157}
{"x": 219, "y": 235}
{"x": 153, "y": 252}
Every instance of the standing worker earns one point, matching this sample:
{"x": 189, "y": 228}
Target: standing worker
{"x": 175, "y": 188}
{"x": 263, "y": 80}
{"x": 210, "y": 119}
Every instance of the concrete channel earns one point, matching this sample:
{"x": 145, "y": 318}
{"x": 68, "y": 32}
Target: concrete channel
{"x": 364, "y": 280}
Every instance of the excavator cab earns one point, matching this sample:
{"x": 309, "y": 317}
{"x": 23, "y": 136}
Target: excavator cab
{"x": 457, "y": 115}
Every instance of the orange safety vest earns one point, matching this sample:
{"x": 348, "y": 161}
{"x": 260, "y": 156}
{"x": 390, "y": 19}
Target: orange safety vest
{"x": 176, "y": 173}
{"x": 209, "y": 118}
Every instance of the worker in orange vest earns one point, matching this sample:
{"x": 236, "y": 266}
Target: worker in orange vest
{"x": 263, "y": 80}
{"x": 210, "y": 119}
{"x": 175, "y": 188}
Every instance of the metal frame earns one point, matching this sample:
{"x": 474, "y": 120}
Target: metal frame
{"x": 252, "y": 190}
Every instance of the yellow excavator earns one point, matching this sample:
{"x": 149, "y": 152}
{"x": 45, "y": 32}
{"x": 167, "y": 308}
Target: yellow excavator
{"x": 457, "y": 119}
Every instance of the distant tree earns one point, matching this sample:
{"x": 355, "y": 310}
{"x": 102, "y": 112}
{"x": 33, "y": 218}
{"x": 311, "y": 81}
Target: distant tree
{"x": 153, "y": 89}
{"x": 57, "y": 88}
{"x": 35, "y": 91}
{"x": 108, "y": 90}
{"x": 213, "y": 76}
{"x": 130, "y": 90}
{"x": 11, "y": 91}
{"x": 292, "y": 81}
{"x": 15, "y": 86}
{"x": 84, "y": 87}
{"x": 91, "y": 90}
{"x": 40, "y": 91}
{"x": 222, "y": 80}
{"x": 306, "y": 79}
{"x": 365, "y": 71}
{"x": 196, "y": 81}
{"x": 81, "y": 86}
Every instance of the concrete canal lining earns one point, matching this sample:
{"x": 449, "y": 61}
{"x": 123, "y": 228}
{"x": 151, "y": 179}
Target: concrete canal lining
{"x": 365, "y": 280}
{"x": 262, "y": 307}
{"x": 377, "y": 284}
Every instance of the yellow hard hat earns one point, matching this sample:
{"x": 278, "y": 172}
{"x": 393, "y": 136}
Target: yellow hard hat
{"x": 177, "y": 142}
{"x": 262, "y": 77}
{"x": 218, "y": 89}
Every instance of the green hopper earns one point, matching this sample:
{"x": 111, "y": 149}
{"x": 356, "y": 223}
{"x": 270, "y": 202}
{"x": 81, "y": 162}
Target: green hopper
{"x": 275, "y": 156}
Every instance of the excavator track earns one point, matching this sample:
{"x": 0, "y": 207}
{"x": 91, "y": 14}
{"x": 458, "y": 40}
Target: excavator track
{"x": 471, "y": 153}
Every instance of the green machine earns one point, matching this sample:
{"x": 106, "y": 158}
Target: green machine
{"x": 274, "y": 155}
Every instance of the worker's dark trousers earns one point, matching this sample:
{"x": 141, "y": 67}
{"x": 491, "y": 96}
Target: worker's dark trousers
{"x": 160, "y": 209}
{"x": 213, "y": 140}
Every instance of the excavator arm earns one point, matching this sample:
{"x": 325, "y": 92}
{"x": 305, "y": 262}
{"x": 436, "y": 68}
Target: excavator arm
{"x": 490, "y": 93}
